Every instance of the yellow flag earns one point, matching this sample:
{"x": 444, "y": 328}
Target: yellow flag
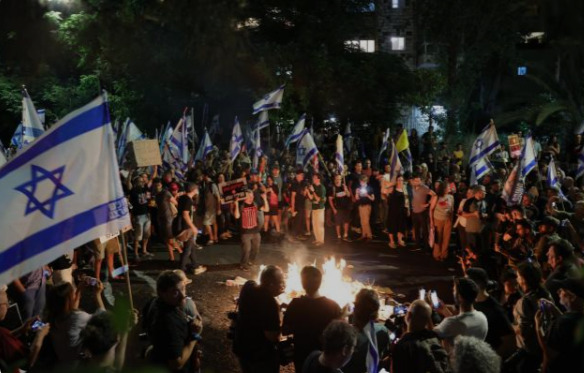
{"x": 402, "y": 142}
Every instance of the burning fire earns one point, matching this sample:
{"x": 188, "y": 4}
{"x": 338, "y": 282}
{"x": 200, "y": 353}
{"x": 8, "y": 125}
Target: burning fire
{"x": 335, "y": 286}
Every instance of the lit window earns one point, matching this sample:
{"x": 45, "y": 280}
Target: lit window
{"x": 522, "y": 70}
{"x": 398, "y": 43}
{"x": 395, "y": 4}
{"x": 363, "y": 45}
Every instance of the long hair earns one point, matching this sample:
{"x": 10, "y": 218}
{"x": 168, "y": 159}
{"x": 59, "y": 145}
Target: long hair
{"x": 57, "y": 299}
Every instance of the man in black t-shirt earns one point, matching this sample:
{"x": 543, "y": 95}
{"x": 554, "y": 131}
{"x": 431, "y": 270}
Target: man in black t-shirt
{"x": 172, "y": 334}
{"x": 258, "y": 327}
{"x": 248, "y": 211}
{"x": 500, "y": 334}
{"x": 297, "y": 200}
{"x": 340, "y": 203}
{"x": 186, "y": 232}
{"x": 139, "y": 198}
{"x": 306, "y": 317}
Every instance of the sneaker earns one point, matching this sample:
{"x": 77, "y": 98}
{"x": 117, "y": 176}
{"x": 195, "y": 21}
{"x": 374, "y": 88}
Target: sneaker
{"x": 392, "y": 245}
{"x": 198, "y": 247}
{"x": 401, "y": 243}
{"x": 308, "y": 234}
{"x": 317, "y": 244}
{"x": 148, "y": 254}
{"x": 199, "y": 270}
{"x": 210, "y": 242}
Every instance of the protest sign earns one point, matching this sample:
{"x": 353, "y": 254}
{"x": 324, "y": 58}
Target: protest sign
{"x": 514, "y": 146}
{"x": 144, "y": 153}
{"x": 232, "y": 191}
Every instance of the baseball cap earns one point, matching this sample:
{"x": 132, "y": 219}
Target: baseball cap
{"x": 573, "y": 284}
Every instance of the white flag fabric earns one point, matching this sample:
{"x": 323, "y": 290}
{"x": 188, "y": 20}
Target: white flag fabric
{"x": 257, "y": 148}
{"x": 480, "y": 169}
{"x": 236, "y": 140}
{"x": 205, "y": 148}
{"x": 306, "y": 149}
{"x": 348, "y": 137}
{"x": 2, "y": 154}
{"x": 272, "y": 100}
{"x": 179, "y": 142}
{"x": 61, "y": 192}
{"x": 485, "y": 144}
{"x": 580, "y": 169}
{"x": 131, "y": 132}
{"x": 514, "y": 188}
{"x": 552, "y": 178}
{"x": 339, "y": 157}
{"x": 384, "y": 145}
{"x": 263, "y": 121}
{"x": 32, "y": 125}
{"x": 297, "y": 131}
{"x": 395, "y": 166}
{"x": 372, "y": 358}
{"x": 527, "y": 160}
{"x": 215, "y": 126}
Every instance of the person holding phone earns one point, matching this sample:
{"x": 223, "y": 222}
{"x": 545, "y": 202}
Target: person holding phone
{"x": 410, "y": 353}
{"x": 363, "y": 198}
{"x": 317, "y": 194}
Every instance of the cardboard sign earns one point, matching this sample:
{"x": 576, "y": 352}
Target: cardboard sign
{"x": 514, "y": 146}
{"x": 232, "y": 191}
{"x": 144, "y": 153}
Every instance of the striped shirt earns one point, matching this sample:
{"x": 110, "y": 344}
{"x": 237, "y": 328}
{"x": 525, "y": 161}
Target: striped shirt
{"x": 249, "y": 218}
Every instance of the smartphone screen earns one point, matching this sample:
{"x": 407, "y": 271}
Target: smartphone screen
{"x": 37, "y": 325}
{"x": 422, "y": 294}
{"x": 434, "y": 298}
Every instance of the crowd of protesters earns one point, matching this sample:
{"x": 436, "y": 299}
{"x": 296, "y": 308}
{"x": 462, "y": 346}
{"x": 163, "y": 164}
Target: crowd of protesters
{"x": 532, "y": 250}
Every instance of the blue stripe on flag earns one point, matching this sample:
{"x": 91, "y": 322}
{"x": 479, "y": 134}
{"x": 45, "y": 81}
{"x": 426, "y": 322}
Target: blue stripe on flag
{"x": 484, "y": 152}
{"x": 309, "y": 155}
{"x": 50, "y": 237}
{"x": 528, "y": 167}
{"x": 79, "y": 124}
{"x": 273, "y": 105}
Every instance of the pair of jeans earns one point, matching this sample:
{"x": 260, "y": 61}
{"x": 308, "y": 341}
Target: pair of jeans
{"x": 189, "y": 250}
{"x": 250, "y": 247}
{"x": 420, "y": 221}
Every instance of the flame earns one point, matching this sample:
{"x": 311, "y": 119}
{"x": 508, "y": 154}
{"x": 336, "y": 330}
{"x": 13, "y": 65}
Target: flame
{"x": 341, "y": 289}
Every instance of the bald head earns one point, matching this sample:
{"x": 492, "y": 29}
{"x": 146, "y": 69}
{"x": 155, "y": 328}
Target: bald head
{"x": 419, "y": 315}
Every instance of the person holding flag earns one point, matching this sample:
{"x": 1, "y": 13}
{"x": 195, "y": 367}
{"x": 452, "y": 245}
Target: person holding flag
{"x": 236, "y": 141}
{"x": 486, "y": 143}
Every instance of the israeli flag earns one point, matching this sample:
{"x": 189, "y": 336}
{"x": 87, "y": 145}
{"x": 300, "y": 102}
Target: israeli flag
{"x": 384, "y": 145}
{"x": 395, "y": 165}
{"x": 485, "y": 144}
{"x": 372, "y": 358}
{"x": 480, "y": 169}
{"x": 236, "y": 141}
{"x": 171, "y": 161}
{"x": 2, "y": 154}
{"x": 514, "y": 188}
{"x": 297, "y": 131}
{"x": 552, "y": 178}
{"x": 204, "y": 148}
{"x": 580, "y": 169}
{"x": 272, "y": 100}
{"x": 165, "y": 135}
{"x": 257, "y": 148}
{"x": 263, "y": 121}
{"x": 339, "y": 157}
{"x": 306, "y": 149}
{"x": 61, "y": 192}
{"x": 32, "y": 125}
{"x": 527, "y": 161}
{"x": 215, "y": 126}
{"x": 179, "y": 143}
{"x": 348, "y": 137}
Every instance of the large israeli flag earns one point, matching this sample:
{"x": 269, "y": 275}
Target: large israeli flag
{"x": 372, "y": 357}
{"x": 306, "y": 149}
{"x": 61, "y": 192}
{"x": 384, "y": 145}
{"x": 480, "y": 169}
{"x": 297, "y": 131}
{"x": 527, "y": 160}
{"x": 205, "y": 148}
{"x": 272, "y": 100}
{"x": 395, "y": 166}
{"x": 485, "y": 144}
{"x": 32, "y": 125}
{"x": 339, "y": 157}
{"x": 263, "y": 121}
{"x": 236, "y": 140}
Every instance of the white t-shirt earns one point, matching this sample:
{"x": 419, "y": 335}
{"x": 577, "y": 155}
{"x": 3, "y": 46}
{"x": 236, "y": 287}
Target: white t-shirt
{"x": 473, "y": 324}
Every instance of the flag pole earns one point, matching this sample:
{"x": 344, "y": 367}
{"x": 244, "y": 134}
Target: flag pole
{"x": 125, "y": 252}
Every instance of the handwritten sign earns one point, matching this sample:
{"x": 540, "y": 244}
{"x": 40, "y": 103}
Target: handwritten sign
{"x": 232, "y": 191}
{"x": 144, "y": 153}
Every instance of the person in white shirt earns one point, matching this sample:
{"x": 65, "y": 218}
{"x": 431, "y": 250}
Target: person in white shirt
{"x": 468, "y": 322}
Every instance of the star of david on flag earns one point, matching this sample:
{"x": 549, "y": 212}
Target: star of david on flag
{"x": 61, "y": 192}
{"x": 39, "y": 174}
{"x": 485, "y": 144}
